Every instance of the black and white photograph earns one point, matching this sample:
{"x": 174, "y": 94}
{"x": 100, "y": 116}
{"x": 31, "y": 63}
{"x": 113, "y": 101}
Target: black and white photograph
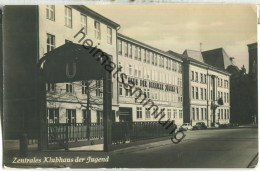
{"x": 137, "y": 85}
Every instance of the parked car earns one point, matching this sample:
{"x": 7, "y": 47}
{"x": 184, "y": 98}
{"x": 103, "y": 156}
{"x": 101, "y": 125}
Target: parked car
{"x": 186, "y": 126}
{"x": 199, "y": 125}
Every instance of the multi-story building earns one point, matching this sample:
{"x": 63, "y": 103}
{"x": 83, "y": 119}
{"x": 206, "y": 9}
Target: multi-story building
{"x": 41, "y": 29}
{"x": 158, "y": 74}
{"x": 205, "y": 88}
{"x": 67, "y": 102}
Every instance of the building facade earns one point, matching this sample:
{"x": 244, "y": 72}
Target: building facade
{"x": 158, "y": 74}
{"x": 59, "y": 24}
{"x": 185, "y": 88}
{"x": 206, "y": 87}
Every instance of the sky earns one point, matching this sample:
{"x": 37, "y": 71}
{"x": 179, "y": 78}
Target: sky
{"x": 180, "y": 27}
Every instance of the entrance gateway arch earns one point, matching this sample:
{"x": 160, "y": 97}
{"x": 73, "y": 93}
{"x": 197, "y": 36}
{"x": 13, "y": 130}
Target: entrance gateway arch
{"x": 69, "y": 63}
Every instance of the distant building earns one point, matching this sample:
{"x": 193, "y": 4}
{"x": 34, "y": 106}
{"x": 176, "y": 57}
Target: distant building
{"x": 204, "y": 86}
{"x": 253, "y": 66}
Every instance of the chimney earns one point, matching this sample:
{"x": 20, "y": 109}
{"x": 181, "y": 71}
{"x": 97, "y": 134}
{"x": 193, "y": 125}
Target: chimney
{"x": 231, "y": 58}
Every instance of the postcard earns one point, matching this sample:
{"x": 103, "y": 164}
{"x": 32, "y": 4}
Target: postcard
{"x": 129, "y": 86}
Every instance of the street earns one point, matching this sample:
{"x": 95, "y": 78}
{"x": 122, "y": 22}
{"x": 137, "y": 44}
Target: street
{"x": 212, "y": 148}
{"x": 222, "y": 148}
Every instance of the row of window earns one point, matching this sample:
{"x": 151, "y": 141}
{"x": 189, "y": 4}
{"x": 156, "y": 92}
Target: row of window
{"x": 223, "y": 114}
{"x": 195, "y": 77}
{"x": 199, "y": 113}
{"x": 201, "y": 94}
{"x": 203, "y": 79}
{"x": 50, "y": 14}
{"x": 170, "y": 113}
{"x": 53, "y": 116}
{"x": 224, "y": 96}
{"x": 222, "y": 83}
{"x": 143, "y": 73}
{"x": 148, "y": 57}
{"x": 195, "y": 93}
{"x": 97, "y": 87}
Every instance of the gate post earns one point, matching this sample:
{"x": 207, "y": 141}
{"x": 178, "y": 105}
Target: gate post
{"x": 107, "y": 108}
{"x": 42, "y": 114}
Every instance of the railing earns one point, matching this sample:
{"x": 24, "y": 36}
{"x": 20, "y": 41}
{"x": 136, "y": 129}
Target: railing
{"x": 60, "y": 133}
{"x": 134, "y": 131}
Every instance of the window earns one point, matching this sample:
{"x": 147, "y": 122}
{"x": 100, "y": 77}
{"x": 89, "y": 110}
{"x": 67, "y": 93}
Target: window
{"x": 221, "y": 113}
{"x": 50, "y": 86}
{"x": 205, "y": 94}
{"x": 139, "y": 73}
{"x": 197, "y": 93}
{"x": 163, "y": 62}
{"x": 145, "y": 54}
{"x": 202, "y": 115}
{"x": 136, "y": 52}
{"x": 197, "y": 77}
{"x": 120, "y": 89}
{"x": 119, "y": 47}
{"x": 126, "y": 49}
{"x": 50, "y": 12}
{"x": 225, "y": 114}
{"x": 193, "y": 95}
{"x": 169, "y": 113}
{"x": 130, "y": 51}
{"x": 198, "y": 114}
{"x": 109, "y": 35}
{"x": 68, "y": 17}
{"x": 201, "y": 78}
{"x": 148, "y": 57}
{"x": 180, "y": 113}
{"x": 227, "y": 98}
{"x": 152, "y": 55}
{"x": 84, "y": 87}
{"x": 139, "y": 113}
{"x": 174, "y": 113}
{"x": 70, "y": 116}
{"x": 201, "y": 93}
{"x": 205, "y": 78}
{"x": 139, "y": 51}
{"x": 127, "y": 92}
{"x": 69, "y": 88}
{"x": 97, "y": 30}
{"x": 192, "y": 75}
{"x": 99, "y": 89}
{"x": 83, "y": 22}
{"x": 135, "y": 73}
{"x": 50, "y": 42}
{"x": 193, "y": 113}
{"x": 53, "y": 115}
{"x": 155, "y": 59}
{"x": 130, "y": 70}
{"x": 147, "y": 113}
{"x": 205, "y": 112}
{"x": 99, "y": 117}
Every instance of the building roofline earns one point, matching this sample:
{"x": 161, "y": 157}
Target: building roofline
{"x": 177, "y": 58}
{"x": 94, "y": 14}
{"x": 252, "y": 45}
{"x": 198, "y": 63}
